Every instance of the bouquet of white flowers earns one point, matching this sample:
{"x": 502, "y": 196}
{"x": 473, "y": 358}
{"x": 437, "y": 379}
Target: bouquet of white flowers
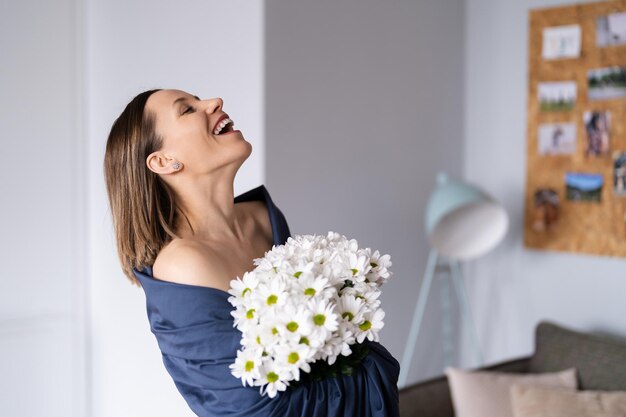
{"x": 311, "y": 301}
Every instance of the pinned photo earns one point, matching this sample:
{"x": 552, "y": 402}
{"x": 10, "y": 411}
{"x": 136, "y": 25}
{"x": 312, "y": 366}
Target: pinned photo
{"x": 619, "y": 173}
{"x": 597, "y": 127}
{"x": 561, "y": 42}
{"x": 611, "y": 29}
{"x": 606, "y": 83}
{"x": 557, "y": 138}
{"x": 545, "y": 209}
{"x": 557, "y": 96}
{"x": 583, "y": 187}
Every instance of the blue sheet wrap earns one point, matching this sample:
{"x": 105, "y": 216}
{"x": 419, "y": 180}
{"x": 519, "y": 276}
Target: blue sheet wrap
{"x": 194, "y": 331}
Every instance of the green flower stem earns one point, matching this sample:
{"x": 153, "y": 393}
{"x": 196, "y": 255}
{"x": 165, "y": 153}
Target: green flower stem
{"x": 345, "y": 365}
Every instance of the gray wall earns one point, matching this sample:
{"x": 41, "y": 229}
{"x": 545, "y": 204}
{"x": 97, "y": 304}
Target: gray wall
{"x": 514, "y": 287}
{"x": 364, "y": 104}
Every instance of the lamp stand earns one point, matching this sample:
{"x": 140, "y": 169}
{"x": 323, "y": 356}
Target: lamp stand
{"x": 421, "y": 305}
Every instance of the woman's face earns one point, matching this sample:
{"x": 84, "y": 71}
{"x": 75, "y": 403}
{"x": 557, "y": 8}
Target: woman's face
{"x": 187, "y": 126}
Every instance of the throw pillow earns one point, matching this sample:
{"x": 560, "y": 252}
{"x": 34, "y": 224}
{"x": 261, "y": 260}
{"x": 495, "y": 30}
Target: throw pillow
{"x": 486, "y": 393}
{"x": 600, "y": 361}
{"x": 535, "y": 401}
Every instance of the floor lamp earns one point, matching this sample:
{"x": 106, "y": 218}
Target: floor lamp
{"x": 462, "y": 223}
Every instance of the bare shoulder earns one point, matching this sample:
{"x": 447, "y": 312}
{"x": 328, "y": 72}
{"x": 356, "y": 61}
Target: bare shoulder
{"x": 188, "y": 262}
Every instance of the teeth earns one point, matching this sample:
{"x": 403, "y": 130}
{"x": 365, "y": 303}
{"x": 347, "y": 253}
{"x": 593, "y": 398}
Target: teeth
{"x": 221, "y": 125}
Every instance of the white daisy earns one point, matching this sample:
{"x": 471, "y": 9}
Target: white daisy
{"x": 324, "y": 320}
{"x": 247, "y": 366}
{"x": 295, "y": 322}
{"x": 338, "y": 344}
{"x": 268, "y": 333}
{"x": 358, "y": 266}
{"x": 294, "y": 357}
{"x": 350, "y": 308}
{"x": 272, "y": 293}
{"x": 245, "y": 318}
{"x": 241, "y": 288}
{"x": 371, "y": 325}
{"x": 310, "y": 286}
{"x": 380, "y": 265}
{"x": 273, "y": 378}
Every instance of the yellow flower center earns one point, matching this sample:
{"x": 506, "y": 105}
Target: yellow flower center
{"x": 366, "y": 325}
{"x": 319, "y": 319}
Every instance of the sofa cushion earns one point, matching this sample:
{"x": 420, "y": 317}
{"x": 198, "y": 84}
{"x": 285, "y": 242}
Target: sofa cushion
{"x": 432, "y": 397}
{"x": 599, "y": 360}
{"x": 534, "y": 401}
{"x": 486, "y": 393}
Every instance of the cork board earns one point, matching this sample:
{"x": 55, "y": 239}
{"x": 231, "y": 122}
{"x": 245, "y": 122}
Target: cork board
{"x": 575, "y": 197}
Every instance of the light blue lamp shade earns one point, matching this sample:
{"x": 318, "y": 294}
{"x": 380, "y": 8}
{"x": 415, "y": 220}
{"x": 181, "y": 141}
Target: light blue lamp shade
{"x": 462, "y": 221}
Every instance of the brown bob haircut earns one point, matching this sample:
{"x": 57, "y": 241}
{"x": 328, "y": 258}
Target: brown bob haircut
{"x": 142, "y": 205}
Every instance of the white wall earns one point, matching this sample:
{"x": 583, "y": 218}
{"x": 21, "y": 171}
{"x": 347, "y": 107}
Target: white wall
{"x": 42, "y": 256}
{"x": 208, "y": 48}
{"x": 512, "y": 288}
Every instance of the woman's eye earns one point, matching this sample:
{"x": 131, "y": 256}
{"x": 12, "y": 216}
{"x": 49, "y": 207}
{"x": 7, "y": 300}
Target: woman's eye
{"x": 187, "y": 109}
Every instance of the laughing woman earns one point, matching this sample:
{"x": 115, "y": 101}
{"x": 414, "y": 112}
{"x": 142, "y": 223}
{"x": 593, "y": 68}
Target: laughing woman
{"x": 182, "y": 236}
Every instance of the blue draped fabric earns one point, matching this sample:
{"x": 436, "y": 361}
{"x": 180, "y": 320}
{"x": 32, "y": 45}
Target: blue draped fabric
{"x": 195, "y": 333}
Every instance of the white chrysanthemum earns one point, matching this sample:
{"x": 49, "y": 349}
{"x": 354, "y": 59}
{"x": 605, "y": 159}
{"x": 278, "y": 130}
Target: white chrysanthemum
{"x": 320, "y": 255}
{"x": 241, "y": 288}
{"x": 294, "y": 357}
{"x": 370, "y": 296}
{"x": 266, "y": 267}
{"x": 269, "y": 335}
{"x": 371, "y": 325}
{"x": 247, "y": 366}
{"x": 295, "y": 322}
{"x": 299, "y": 267}
{"x": 324, "y": 320}
{"x": 338, "y": 344}
{"x": 350, "y": 308}
{"x": 369, "y": 293}
{"x": 380, "y": 265}
{"x": 251, "y": 338}
{"x": 358, "y": 266}
{"x": 272, "y": 293}
{"x": 245, "y": 318}
{"x": 310, "y": 286}
{"x": 273, "y": 378}
{"x": 367, "y": 290}
{"x": 334, "y": 269}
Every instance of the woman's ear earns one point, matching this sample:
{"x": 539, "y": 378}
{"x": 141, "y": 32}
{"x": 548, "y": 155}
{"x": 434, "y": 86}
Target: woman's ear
{"x": 159, "y": 163}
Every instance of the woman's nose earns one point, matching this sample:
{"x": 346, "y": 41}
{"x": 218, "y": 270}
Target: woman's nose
{"x": 213, "y": 104}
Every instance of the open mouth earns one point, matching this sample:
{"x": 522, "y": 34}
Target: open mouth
{"x": 225, "y": 126}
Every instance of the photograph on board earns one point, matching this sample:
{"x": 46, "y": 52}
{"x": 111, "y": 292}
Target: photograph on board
{"x": 561, "y": 42}
{"x": 581, "y": 186}
{"x": 606, "y": 83}
{"x": 597, "y": 128}
{"x": 557, "y": 96}
{"x": 619, "y": 173}
{"x": 611, "y": 29}
{"x": 545, "y": 209}
{"x": 557, "y": 138}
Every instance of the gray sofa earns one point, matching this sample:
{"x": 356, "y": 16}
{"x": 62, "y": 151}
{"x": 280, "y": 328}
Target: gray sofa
{"x": 600, "y": 361}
